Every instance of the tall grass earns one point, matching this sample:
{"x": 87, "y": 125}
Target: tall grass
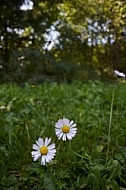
{"x": 95, "y": 159}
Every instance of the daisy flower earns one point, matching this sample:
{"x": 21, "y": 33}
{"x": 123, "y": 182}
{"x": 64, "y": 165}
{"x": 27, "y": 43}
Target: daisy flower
{"x": 65, "y": 129}
{"x": 44, "y": 150}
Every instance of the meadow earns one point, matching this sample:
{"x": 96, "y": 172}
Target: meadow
{"x": 95, "y": 159}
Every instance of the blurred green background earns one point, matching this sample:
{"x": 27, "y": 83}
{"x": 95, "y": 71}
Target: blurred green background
{"x": 59, "y": 40}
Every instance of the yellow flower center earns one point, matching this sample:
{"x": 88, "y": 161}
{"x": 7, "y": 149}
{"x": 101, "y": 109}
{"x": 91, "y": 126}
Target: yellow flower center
{"x": 44, "y": 150}
{"x": 65, "y": 129}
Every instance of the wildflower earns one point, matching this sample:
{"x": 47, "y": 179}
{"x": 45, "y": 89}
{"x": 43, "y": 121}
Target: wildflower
{"x": 65, "y": 129}
{"x": 120, "y": 74}
{"x": 43, "y": 150}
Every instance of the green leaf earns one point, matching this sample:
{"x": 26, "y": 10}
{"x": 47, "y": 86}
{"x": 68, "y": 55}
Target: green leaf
{"x": 48, "y": 182}
{"x": 99, "y": 148}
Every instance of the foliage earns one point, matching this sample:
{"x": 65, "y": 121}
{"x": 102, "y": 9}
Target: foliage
{"x": 94, "y": 159}
{"x": 90, "y": 37}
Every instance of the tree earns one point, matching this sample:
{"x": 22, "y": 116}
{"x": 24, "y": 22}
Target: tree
{"x": 90, "y": 33}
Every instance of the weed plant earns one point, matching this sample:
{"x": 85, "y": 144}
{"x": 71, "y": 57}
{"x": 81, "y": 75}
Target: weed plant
{"x": 95, "y": 159}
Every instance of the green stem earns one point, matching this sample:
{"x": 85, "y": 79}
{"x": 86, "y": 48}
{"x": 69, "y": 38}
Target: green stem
{"x": 110, "y": 124}
{"x": 84, "y": 157}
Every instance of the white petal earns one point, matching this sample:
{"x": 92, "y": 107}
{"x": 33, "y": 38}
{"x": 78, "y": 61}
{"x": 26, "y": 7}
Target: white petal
{"x": 48, "y": 158}
{"x": 73, "y": 130}
{"x": 35, "y": 147}
{"x": 58, "y": 125}
{"x": 58, "y": 132}
{"x": 35, "y": 152}
{"x": 60, "y": 135}
{"x": 66, "y": 121}
{"x": 64, "y": 137}
{"x": 53, "y": 151}
{"x": 51, "y": 156}
{"x": 60, "y": 122}
{"x": 71, "y": 122}
{"x": 43, "y": 160}
{"x": 38, "y": 143}
{"x": 74, "y": 125}
{"x": 69, "y": 136}
{"x": 40, "y": 140}
{"x": 52, "y": 146}
{"x": 47, "y": 141}
{"x": 72, "y": 134}
{"x": 36, "y": 157}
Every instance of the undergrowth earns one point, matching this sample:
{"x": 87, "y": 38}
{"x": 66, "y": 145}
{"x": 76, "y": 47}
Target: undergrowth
{"x": 95, "y": 159}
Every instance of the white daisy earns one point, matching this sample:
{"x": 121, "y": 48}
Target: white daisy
{"x": 65, "y": 129}
{"x": 43, "y": 150}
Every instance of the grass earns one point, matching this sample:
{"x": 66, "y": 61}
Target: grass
{"x": 95, "y": 159}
